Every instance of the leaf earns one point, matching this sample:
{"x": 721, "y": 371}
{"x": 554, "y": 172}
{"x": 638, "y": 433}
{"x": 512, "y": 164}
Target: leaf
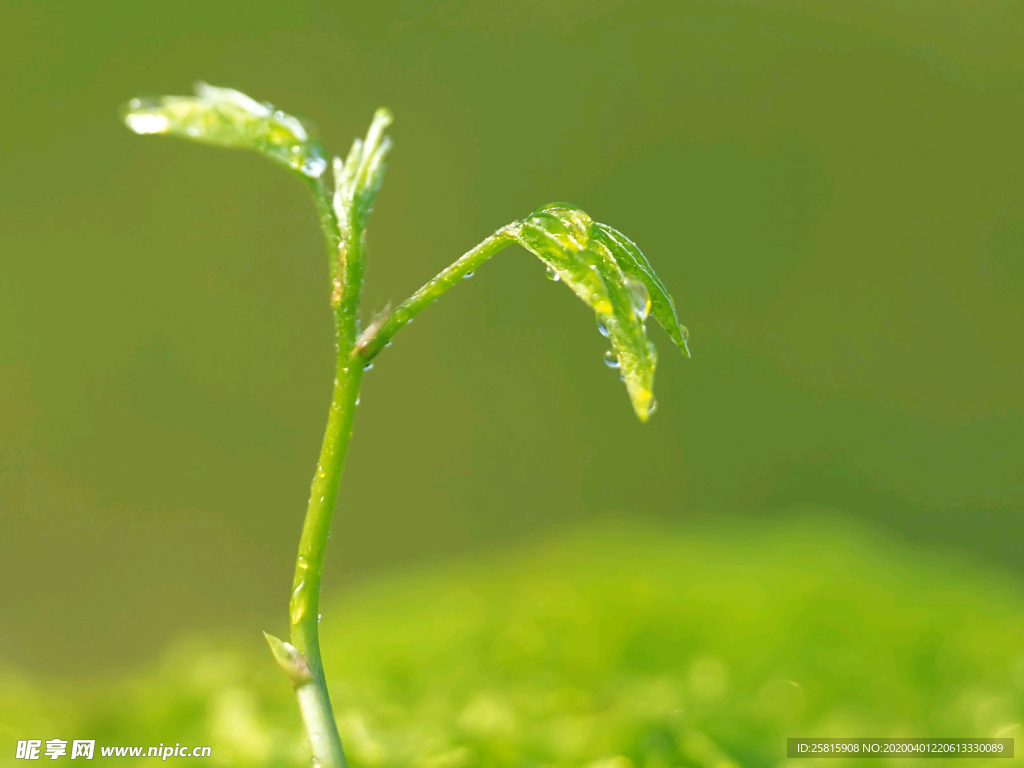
{"x": 610, "y": 274}
{"x": 632, "y": 261}
{"x": 290, "y": 660}
{"x": 229, "y": 118}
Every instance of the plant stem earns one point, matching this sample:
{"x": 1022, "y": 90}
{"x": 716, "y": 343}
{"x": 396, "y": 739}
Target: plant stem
{"x": 376, "y": 337}
{"x": 311, "y": 688}
{"x": 301, "y": 659}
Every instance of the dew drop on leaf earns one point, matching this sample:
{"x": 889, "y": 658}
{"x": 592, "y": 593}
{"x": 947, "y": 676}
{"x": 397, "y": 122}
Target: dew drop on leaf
{"x": 639, "y": 296}
{"x": 611, "y": 359}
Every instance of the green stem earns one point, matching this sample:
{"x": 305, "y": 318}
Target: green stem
{"x": 301, "y": 658}
{"x": 311, "y": 687}
{"x": 376, "y": 337}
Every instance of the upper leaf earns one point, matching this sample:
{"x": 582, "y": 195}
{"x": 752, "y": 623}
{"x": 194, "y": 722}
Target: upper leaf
{"x": 608, "y": 272}
{"x": 229, "y": 118}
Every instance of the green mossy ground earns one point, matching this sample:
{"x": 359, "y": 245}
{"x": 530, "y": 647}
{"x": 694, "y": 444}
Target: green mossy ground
{"x": 608, "y": 646}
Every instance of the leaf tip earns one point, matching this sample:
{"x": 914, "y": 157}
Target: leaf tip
{"x": 684, "y": 340}
{"x": 644, "y": 404}
{"x": 142, "y": 117}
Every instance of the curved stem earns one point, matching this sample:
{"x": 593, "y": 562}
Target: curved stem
{"x": 376, "y": 337}
{"x": 310, "y": 685}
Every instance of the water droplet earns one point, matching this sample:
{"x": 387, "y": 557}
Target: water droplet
{"x": 298, "y": 602}
{"x": 611, "y": 359}
{"x": 368, "y": 367}
{"x": 602, "y": 328}
{"x": 552, "y": 275}
{"x": 652, "y": 407}
{"x": 313, "y": 165}
{"x": 387, "y": 345}
{"x": 143, "y": 123}
{"x": 467, "y": 275}
{"x": 639, "y": 296}
{"x": 562, "y": 224}
{"x": 319, "y": 618}
{"x": 358, "y": 399}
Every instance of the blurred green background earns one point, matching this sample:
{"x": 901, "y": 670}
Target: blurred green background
{"x": 832, "y": 192}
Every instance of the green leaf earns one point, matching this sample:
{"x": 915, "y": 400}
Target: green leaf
{"x": 229, "y": 118}
{"x": 610, "y": 274}
{"x": 291, "y": 661}
{"x": 632, "y": 262}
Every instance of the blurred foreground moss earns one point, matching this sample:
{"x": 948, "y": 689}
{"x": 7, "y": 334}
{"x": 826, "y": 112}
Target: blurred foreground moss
{"x": 606, "y": 647}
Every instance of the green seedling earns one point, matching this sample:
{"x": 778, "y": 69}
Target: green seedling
{"x": 600, "y": 264}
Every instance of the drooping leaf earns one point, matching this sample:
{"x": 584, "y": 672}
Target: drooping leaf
{"x": 229, "y": 118}
{"x": 632, "y": 262}
{"x": 610, "y": 274}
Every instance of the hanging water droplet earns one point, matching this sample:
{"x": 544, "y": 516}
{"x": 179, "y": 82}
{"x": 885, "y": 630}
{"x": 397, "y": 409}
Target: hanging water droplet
{"x": 319, "y": 618}
{"x": 467, "y": 275}
{"x": 387, "y": 345}
{"x": 357, "y": 403}
{"x": 652, "y": 407}
{"x": 602, "y": 328}
{"x": 368, "y": 367}
{"x": 611, "y": 359}
{"x": 552, "y": 275}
